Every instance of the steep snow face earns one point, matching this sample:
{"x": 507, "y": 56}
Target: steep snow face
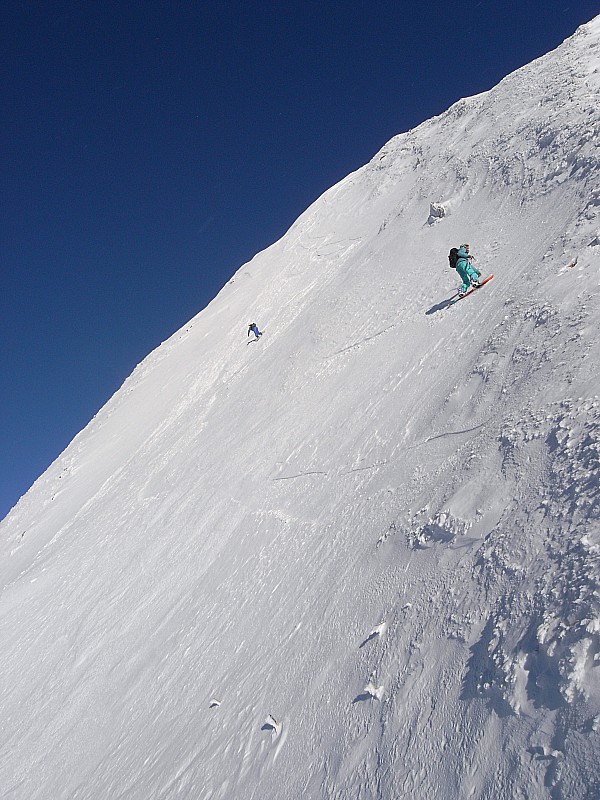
{"x": 358, "y": 557}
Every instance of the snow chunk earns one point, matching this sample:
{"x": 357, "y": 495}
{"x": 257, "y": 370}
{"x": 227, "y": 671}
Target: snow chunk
{"x": 374, "y": 691}
{"x": 437, "y": 211}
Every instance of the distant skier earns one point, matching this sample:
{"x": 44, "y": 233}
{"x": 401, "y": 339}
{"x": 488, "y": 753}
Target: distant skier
{"x": 253, "y": 328}
{"x": 463, "y": 265}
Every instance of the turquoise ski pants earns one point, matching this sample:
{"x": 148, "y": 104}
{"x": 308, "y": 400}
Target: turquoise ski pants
{"x": 467, "y": 273}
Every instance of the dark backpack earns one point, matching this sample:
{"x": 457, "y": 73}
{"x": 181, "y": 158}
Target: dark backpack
{"x": 453, "y": 257}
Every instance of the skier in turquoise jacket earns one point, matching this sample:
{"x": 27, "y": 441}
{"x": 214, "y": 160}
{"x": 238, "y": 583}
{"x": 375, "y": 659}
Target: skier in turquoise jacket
{"x": 468, "y": 274}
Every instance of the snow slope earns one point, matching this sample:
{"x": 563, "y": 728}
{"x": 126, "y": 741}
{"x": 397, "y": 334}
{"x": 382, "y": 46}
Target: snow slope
{"x": 358, "y": 558}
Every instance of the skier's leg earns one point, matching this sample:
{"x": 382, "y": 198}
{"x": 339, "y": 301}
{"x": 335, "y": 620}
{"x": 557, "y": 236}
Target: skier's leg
{"x": 466, "y": 282}
{"x": 472, "y": 273}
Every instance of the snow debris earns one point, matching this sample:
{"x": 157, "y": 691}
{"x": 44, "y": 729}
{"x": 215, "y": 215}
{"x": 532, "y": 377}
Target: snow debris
{"x": 437, "y": 211}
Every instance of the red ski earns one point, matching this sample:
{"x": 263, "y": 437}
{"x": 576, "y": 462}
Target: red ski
{"x": 474, "y": 289}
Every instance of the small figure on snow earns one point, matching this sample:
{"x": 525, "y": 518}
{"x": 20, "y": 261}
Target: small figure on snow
{"x": 463, "y": 265}
{"x": 253, "y": 328}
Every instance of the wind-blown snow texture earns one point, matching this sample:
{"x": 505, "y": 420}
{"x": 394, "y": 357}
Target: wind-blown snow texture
{"x": 358, "y": 558}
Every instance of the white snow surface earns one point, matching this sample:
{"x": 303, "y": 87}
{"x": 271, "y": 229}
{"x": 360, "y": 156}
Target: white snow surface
{"x": 359, "y": 557}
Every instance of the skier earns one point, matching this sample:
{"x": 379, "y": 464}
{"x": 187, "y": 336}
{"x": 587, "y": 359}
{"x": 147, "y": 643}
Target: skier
{"x": 254, "y": 329}
{"x": 469, "y": 275}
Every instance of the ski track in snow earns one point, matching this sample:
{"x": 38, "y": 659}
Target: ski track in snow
{"x": 361, "y": 559}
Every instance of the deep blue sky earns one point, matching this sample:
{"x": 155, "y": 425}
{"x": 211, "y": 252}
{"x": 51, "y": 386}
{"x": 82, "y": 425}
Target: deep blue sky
{"x": 151, "y": 148}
